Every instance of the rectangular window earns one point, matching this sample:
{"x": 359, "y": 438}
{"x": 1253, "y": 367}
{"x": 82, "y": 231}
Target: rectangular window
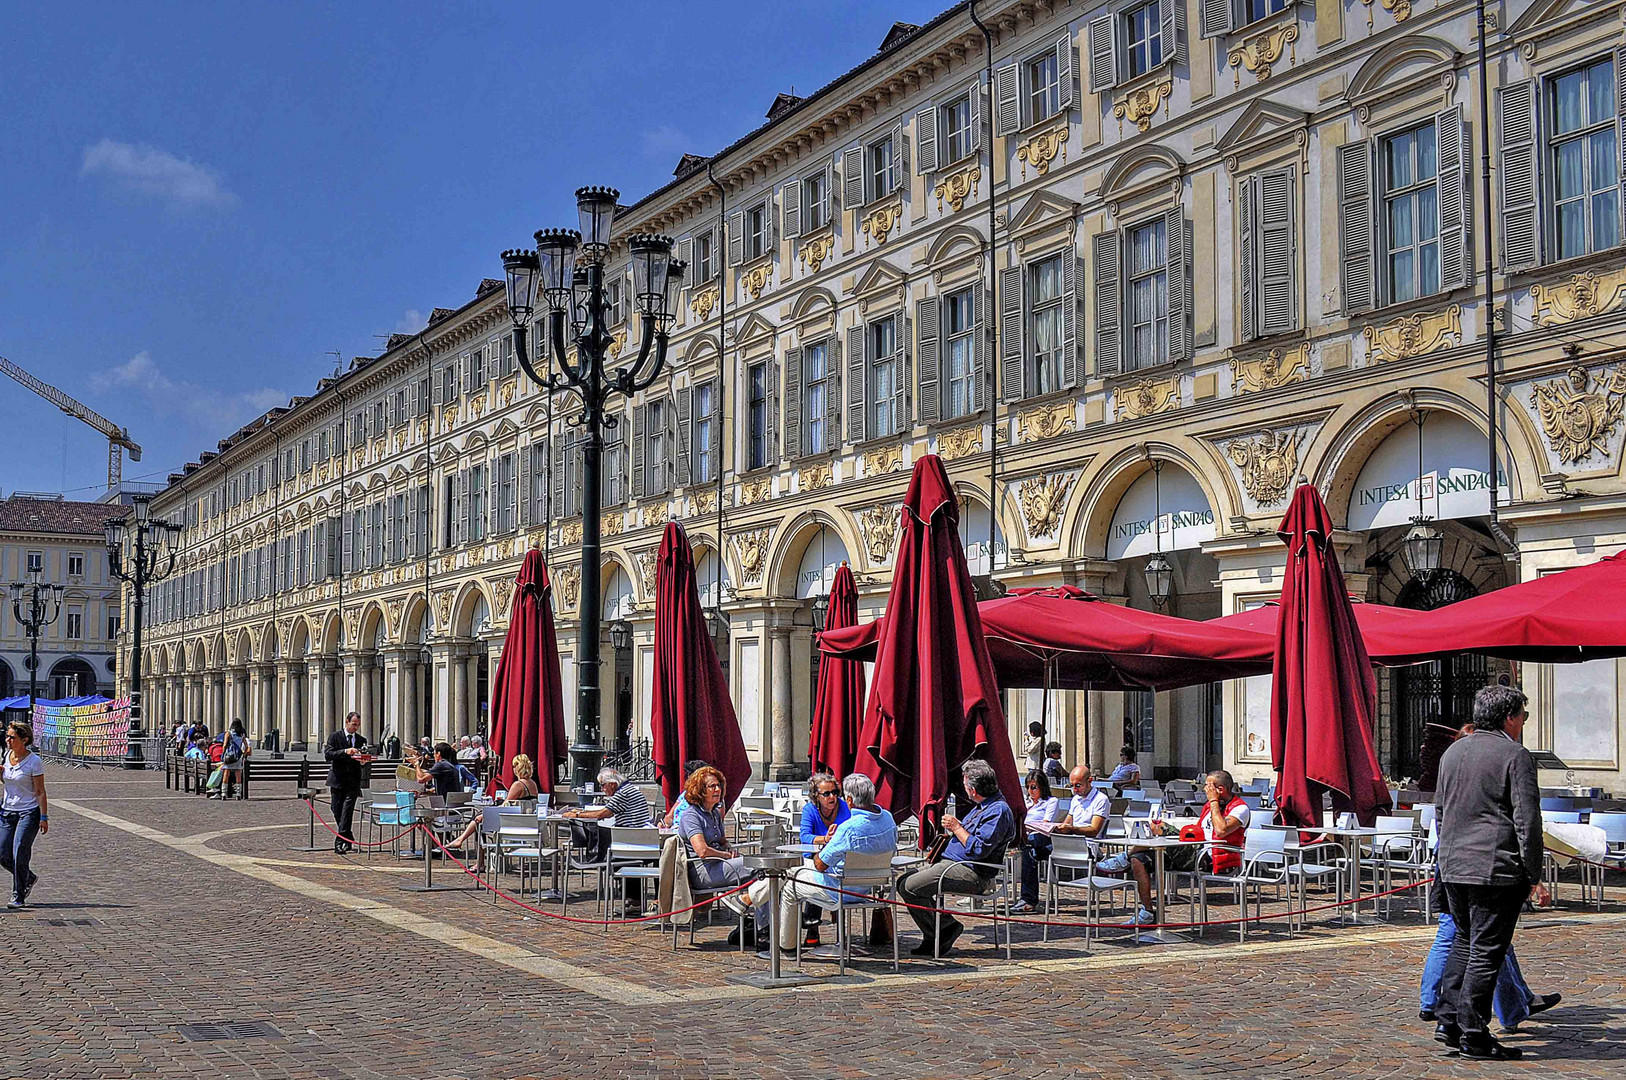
{"x": 1045, "y": 293}
{"x": 815, "y": 202}
{"x": 885, "y": 399}
{"x": 880, "y": 166}
{"x": 448, "y": 384}
{"x": 1411, "y": 215}
{"x": 657, "y": 465}
{"x": 289, "y": 470}
{"x": 400, "y": 406}
{"x": 1044, "y": 84}
{"x": 1148, "y": 295}
{"x": 756, "y": 231}
{"x": 1143, "y": 37}
{"x": 505, "y": 493}
{"x": 757, "y": 414}
{"x": 398, "y": 527}
{"x": 76, "y": 564}
{"x": 305, "y": 455}
{"x": 304, "y": 557}
{"x": 422, "y": 402}
{"x": 1586, "y": 160}
{"x": 955, "y": 120}
{"x": 705, "y": 427}
{"x": 705, "y": 266}
{"x": 477, "y": 504}
{"x": 112, "y": 626}
{"x": 1259, "y": 9}
{"x": 76, "y": 624}
{"x": 420, "y": 525}
{"x": 612, "y": 477}
{"x": 959, "y": 352}
{"x": 816, "y": 397}
{"x": 36, "y": 562}
{"x": 448, "y": 511}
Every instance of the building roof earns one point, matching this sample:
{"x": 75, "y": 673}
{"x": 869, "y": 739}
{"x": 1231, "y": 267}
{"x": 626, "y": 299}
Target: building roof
{"x": 22, "y": 514}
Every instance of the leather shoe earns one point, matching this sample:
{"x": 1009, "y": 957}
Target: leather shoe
{"x": 925, "y": 948}
{"x": 1449, "y": 1034}
{"x": 950, "y": 936}
{"x": 1487, "y": 1048}
{"x": 1545, "y": 1002}
{"x": 1426, "y": 1015}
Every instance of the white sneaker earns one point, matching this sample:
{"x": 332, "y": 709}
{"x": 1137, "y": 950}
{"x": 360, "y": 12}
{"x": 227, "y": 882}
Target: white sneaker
{"x": 736, "y": 904}
{"x": 1113, "y": 864}
{"x": 1142, "y": 918}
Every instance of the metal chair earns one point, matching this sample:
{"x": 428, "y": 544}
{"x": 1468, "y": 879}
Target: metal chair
{"x": 630, "y": 855}
{"x": 699, "y": 895}
{"x": 860, "y": 873}
{"x": 1264, "y": 863}
{"x": 1074, "y": 853}
{"x": 998, "y": 897}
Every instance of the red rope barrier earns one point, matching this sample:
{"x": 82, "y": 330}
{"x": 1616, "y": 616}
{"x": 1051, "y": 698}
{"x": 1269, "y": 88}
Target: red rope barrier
{"x": 356, "y": 843}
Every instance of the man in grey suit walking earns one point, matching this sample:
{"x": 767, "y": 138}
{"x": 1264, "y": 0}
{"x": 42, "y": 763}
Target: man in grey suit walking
{"x": 1489, "y": 863}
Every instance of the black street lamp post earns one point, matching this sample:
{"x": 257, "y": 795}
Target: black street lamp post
{"x": 566, "y": 272}
{"x": 135, "y": 546}
{"x": 36, "y": 605}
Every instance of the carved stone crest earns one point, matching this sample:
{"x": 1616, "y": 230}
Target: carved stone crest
{"x": 570, "y": 532}
{"x": 569, "y": 580}
{"x": 1045, "y": 421}
{"x": 1261, "y": 51}
{"x": 878, "y": 528}
{"x": 1147, "y": 397}
{"x": 756, "y": 491}
{"x": 883, "y": 459}
{"x": 645, "y": 562}
{"x": 751, "y": 546}
{"x": 1044, "y": 500}
{"x": 1577, "y": 416}
{"x": 1582, "y": 296}
{"x": 611, "y": 522}
{"x": 754, "y": 280}
{"x": 443, "y": 611}
{"x": 502, "y": 591}
{"x": 1271, "y": 370}
{"x": 1140, "y": 106}
{"x": 1040, "y": 150}
{"x": 959, "y": 442}
{"x": 815, "y": 249}
{"x": 957, "y": 187}
{"x": 879, "y": 222}
{"x": 815, "y": 477}
{"x": 1406, "y": 336}
{"x": 702, "y": 302}
{"x": 393, "y": 610}
{"x": 1268, "y": 463}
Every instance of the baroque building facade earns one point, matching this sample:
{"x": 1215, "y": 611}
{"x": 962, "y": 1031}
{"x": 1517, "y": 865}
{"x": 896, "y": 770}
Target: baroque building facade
{"x": 1129, "y": 268}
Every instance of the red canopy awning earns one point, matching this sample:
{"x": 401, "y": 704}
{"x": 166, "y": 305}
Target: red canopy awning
{"x": 1385, "y": 629}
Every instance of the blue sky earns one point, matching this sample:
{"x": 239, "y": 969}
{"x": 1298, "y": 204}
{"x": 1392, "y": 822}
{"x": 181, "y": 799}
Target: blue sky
{"x": 200, "y": 202}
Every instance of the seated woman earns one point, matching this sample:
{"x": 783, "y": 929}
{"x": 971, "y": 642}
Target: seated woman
{"x": 1127, "y": 774}
{"x": 523, "y": 788}
{"x": 1035, "y": 841}
{"x": 712, "y": 865}
{"x": 823, "y": 811}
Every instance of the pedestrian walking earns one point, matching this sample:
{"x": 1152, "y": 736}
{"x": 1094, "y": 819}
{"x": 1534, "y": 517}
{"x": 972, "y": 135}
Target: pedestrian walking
{"x": 22, "y": 815}
{"x": 1489, "y": 864}
{"x": 234, "y": 749}
{"x": 345, "y": 752}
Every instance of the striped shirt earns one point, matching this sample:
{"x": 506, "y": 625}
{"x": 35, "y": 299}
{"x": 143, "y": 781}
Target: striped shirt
{"x": 631, "y": 807}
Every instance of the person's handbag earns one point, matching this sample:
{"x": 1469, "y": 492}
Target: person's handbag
{"x": 215, "y": 778}
{"x": 233, "y": 752}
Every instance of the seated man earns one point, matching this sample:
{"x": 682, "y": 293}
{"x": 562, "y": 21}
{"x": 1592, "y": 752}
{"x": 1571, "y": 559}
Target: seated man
{"x": 867, "y": 829}
{"x": 1224, "y": 821}
{"x": 1054, "y": 770}
{"x": 1087, "y": 815}
{"x": 982, "y": 838}
{"x": 624, "y": 802}
{"x": 442, "y": 773}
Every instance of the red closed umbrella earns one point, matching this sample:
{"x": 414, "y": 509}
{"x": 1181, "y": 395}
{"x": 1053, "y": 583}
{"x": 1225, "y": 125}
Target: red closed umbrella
{"x": 527, "y": 697}
{"x": 933, "y": 702}
{"x": 691, "y": 716}
{"x": 838, "y": 701}
{"x": 1323, "y": 692}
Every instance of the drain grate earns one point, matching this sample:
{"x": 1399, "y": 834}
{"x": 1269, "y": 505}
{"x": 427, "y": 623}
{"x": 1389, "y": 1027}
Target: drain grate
{"x": 229, "y": 1029}
{"x": 70, "y": 922}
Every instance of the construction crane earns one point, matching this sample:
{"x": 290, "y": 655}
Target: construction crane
{"x": 118, "y": 439}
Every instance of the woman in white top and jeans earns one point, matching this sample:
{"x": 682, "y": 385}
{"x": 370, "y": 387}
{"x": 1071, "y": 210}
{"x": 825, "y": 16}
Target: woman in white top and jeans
{"x": 23, "y": 815}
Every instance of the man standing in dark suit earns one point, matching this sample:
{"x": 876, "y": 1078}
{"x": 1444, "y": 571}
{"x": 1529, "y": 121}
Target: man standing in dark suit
{"x": 1489, "y": 863}
{"x": 345, "y": 752}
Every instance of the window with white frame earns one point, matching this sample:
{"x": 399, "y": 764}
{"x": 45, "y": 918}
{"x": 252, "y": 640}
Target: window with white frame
{"x": 1045, "y": 337}
{"x": 1038, "y": 87}
{"x": 880, "y": 168}
{"x": 448, "y": 390}
{"x": 1143, "y": 39}
{"x": 76, "y": 624}
{"x": 756, "y": 232}
{"x": 112, "y": 626}
{"x": 1411, "y": 215}
{"x": 958, "y": 140}
{"x": 398, "y": 527}
{"x": 476, "y": 528}
{"x": 959, "y": 353}
{"x": 36, "y": 562}
{"x": 1042, "y": 79}
{"x": 76, "y": 564}
{"x": 1147, "y": 293}
{"x": 1585, "y": 156}
{"x": 815, "y": 196}
{"x": 613, "y": 293}
{"x": 757, "y": 418}
{"x": 885, "y": 378}
{"x": 704, "y": 266}
{"x": 1132, "y": 41}
{"x": 657, "y": 448}
{"x": 704, "y": 440}
{"x": 816, "y": 398}
{"x": 506, "y": 481}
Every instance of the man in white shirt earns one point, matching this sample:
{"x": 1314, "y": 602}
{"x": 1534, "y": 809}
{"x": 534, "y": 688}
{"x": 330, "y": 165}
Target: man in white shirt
{"x": 1087, "y": 815}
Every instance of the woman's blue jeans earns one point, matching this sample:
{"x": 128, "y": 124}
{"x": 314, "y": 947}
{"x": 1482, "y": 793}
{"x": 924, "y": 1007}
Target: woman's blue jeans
{"x": 1513, "y": 998}
{"x": 17, "y": 831}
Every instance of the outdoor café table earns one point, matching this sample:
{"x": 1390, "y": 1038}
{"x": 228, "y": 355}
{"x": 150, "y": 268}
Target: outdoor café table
{"x": 799, "y": 849}
{"x": 1157, "y": 845}
{"x": 774, "y": 868}
{"x": 1351, "y": 839}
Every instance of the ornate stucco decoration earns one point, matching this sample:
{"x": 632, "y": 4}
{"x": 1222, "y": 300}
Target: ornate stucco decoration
{"x": 1268, "y": 463}
{"x": 612, "y": 522}
{"x": 570, "y": 533}
{"x": 1044, "y": 500}
{"x": 1582, "y": 296}
{"x": 815, "y": 249}
{"x": 705, "y": 502}
{"x": 959, "y": 442}
{"x": 878, "y": 526}
{"x": 443, "y": 613}
{"x": 448, "y": 420}
{"x": 702, "y": 302}
{"x": 1045, "y": 421}
{"x": 358, "y": 456}
{"x": 1275, "y": 368}
{"x": 815, "y": 477}
{"x": 752, "y": 548}
{"x": 883, "y": 459}
{"x": 1406, "y": 336}
{"x": 392, "y": 613}
{"x": 569, "y": 580}
{"x": 1142, "y": 103}
{"x": 475, "y": 556}
{"x": 646, "y": 570}
{"x": 958, "y": 186}
{"x": 1400, "y": 9}
{"x": 505, "y": 548}
{"x": 506, "y": 390}
{"x": 352, "y": 622}
{"x": 423, "y": 429}
{"x": 477, "y": 406}
{"x": 1578, "y": 416}
{"x": 1259, "y": 53}
{"x": 879, "y": 222}
{"x": 1041, "y": 149}
{"x": 618, "y": 342}
{"x": 650, "y": 516}
{"x": 502, "y": 591}
{"x": 756, "y": 491}
{"x": 1147, "y": 397}
{"x": 754, "y": 280}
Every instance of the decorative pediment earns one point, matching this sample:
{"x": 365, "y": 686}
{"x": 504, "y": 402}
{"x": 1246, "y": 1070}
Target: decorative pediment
{"x": 879, "y": 276}
{"x": 1042, "y": 210}
{"x": 1404, "y": 66}
{"x": 398, "y": 473}
{"x": 1262, "y": 123}
{"x": 754, "y": 328}
{"x": 1142, "y": 170}
{"x": 955, "y": 244}
{"x": 701, "y": 349}
{"x": 505, "y": 429}
{"x": 813, "y": 302}
{"x": 1548, "y": 16}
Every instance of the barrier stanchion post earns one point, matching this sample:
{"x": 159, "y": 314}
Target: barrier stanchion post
{"x": 774, "y": 865}
{"x": 429, "y": 845}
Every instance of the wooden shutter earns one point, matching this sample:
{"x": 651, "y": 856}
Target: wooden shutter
{"x": 928, "y": 317}
{"x": 736, "y": 238}
{"x": 903, "y": 395}
{"x": 1069, "y": 318}
{"x": 669, "y": 445}
{"x": 640, "y": 448}
{"x": 979, "y": 350}
{"x": 556, "y": 479}
{"x": 1247, "y": 240}
{"x": 794, "y": 359}
{"x": 979, "y": 119}
{"x": 926, "y": 140}
{"x": 1108, "y": 305}
{"x": 1278, "y": 254}
{"x": 790, "y": 193}
{"x": 1012, "y": 368}
{"x": 1452, "y": 154}
{"x": 855, "y": 383}
{"x": 717, "y": 428}
{"x": 832, "y": 394}
{"x": 900, "y": 157}
{"x": 1007, "y": 103}
{"x": 1355, "y": 253}
{"x": 852, "y": 177}
{"x": 1179, "y": 269}
{"x": 832, "y": 197}
{"x": 773, "y": 411}
{"x": 685, "y": 252}
{"x": 522, "y": 485}
{"x": 1620, "y": 111}
{"x": 1521, "y": 211}
{"x": 1066, "y": 72}
{"x": 685, "y": 414}
{"x": 1172, "y": 24}
{"x": 1217, "y": 17}
{"x": 770, "y": 223}
{"x": 318, "y": 568}
{"x": 1103, "y": 54}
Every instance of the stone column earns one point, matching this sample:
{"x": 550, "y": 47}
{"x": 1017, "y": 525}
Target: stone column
{"x": 349, "y": 680}
{"x": 315, "y": 700}
{"x": 394, "y": 698}
{"x": 443, "y": 713}
{"x": 781, "y": 764}
{"x": 407, "y": 695}
{"x": 460, "y": 696}
{"x": 270, "y": 712}
{"x": 471, "y": 661}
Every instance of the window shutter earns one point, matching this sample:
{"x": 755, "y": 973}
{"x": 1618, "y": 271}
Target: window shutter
{"x": 900, "y": 157}
{"x": 736, "y": 238}
{"x": 556, "y": 479}
{"x": 794, "y": 359}
{"x": 979, "y": 351}
{"x": 928, "y": 317}
{"x": 1007, "y": 105}
{"x": 1069, "y": 318}
{"x": 832, "y": 197}
{"x": 1247, "y": 239}
{"x": 791, "y": 194}
{"x": 1355, "y": 226}
{"x": 368, "y": 538}
{"x": 770, "y": 223}
{"x": 1173, "y": 27}
{"x": 852, "y": 177}
{"x": 855, "y": 384}
{"x": 717, "y": 428}
{"x": 319, "y": 562}
{"x": 979, "y": 113}
{"x": 347, "y": 556}
{"x": 685, "y": 251}
{"x": 1010, "y": 332}
{"x": 926, "y": 140}
{"x": 640, "y": 448}
{"x": 1174, "y": 229}
{"x": 773, "y": 412}
{"x": 1066, "y": 72}
{"x": 685, "y": 414}
{"x": 522, "y": 485}
{"x": 1108, "y": 304}
{"x": 1521, "y": 214}
{"x": 1217, "y": 15}
{"x": 463, "y": 504}
{"x": 832, "y": 395}
{"x": 1278, "y": 308}
{"x": 1103, "y": 55}
{"x": 1450, "y": 139}
{"x": 904, "y": 395}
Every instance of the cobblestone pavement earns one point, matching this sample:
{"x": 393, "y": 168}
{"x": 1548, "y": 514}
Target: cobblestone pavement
{"x": 157, "y": 910}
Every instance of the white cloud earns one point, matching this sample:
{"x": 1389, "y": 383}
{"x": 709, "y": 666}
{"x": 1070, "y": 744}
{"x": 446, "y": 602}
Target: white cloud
{"x": 215, "y": 412}
{"x": 412, "y": 320}
{"x": 151, "y": 171}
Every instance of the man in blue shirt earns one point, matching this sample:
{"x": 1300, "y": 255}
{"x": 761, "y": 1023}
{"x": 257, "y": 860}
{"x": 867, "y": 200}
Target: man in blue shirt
{"x": 980, "y": 839}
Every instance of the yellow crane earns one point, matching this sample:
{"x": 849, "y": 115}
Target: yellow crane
{"x": 118, "y": 439}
